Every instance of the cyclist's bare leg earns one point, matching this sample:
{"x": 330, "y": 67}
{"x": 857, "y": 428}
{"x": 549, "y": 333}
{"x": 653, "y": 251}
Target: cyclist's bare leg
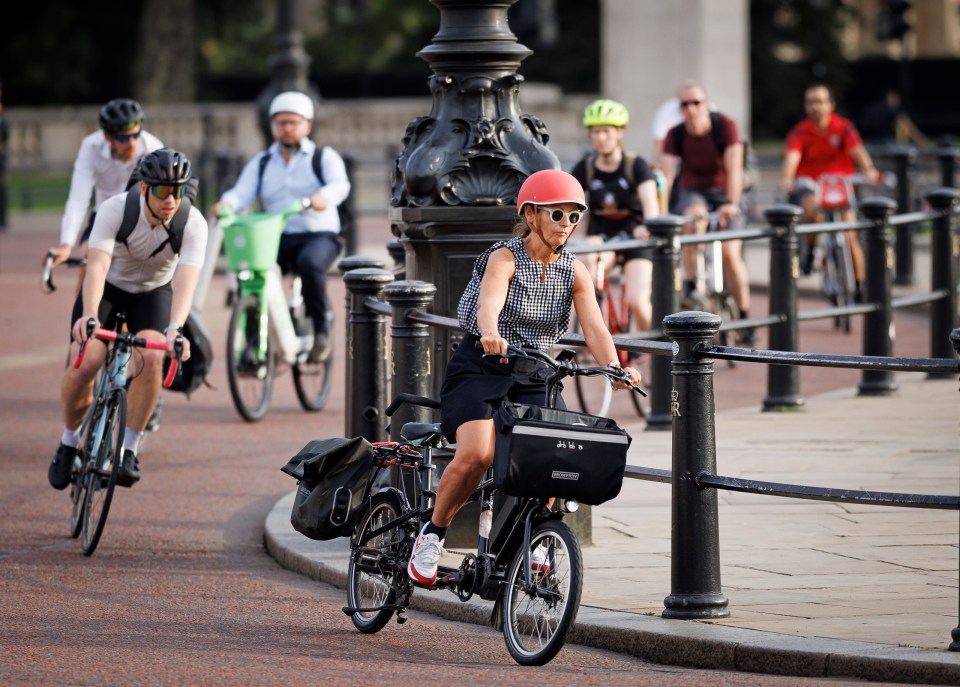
{"x": 735, "y": 270}
{"x": 76, "y": 390}
{"x": 145, "y": 386}
{"x": 638, "y": 276}
{"x": 590, "y": 260}
{"x": 856, "y": 250}
{"x": 474, "y": 454}
{"x": 696, "y": 226}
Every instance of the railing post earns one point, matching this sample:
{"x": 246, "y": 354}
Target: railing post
{"x": 783, "y": 381}
{"x": 947, "y": 157}
{"x": 903, "y": 158}
{"x": 366, "y": 372}
{"x": 412, "y": 360}
{"x": 955, "y": 633}
{"x": 944, "y": 254}
{"x": 877, "y": 332}
{"x": 695, "y": 590}
{"x": 665, "y": 301}
{"x": 399, "y": 257}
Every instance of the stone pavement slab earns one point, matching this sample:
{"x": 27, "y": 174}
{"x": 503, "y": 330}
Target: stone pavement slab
{"x": 814, "y": 588}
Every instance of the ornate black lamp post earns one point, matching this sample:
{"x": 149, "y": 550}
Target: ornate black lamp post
{"x": 288, "y": 66}
{"x": 456, "y": 180}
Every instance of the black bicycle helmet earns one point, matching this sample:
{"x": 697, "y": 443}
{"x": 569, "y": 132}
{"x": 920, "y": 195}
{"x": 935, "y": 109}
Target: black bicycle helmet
{"x": 165, "y": 167}
{"x": 120, "y": 114}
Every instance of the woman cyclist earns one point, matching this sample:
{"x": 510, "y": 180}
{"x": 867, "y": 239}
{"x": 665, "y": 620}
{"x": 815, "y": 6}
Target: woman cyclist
{"x": 520, "y": 294}
{"x": 621, "y": 193}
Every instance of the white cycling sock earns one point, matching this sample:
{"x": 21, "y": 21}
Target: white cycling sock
{"x": 70, "y": 437}
{"x": 131, "y": 440}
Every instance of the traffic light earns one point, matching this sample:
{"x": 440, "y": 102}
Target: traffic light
{"x": 893, "y": 24}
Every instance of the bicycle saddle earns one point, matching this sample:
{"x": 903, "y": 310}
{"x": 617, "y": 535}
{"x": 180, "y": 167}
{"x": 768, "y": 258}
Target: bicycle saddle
{"x": 411, "y": 431}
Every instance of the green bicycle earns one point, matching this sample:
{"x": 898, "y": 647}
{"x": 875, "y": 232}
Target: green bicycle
{"x": 268, "y": 327}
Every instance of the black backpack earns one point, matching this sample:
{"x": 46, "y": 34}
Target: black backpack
{"x": 193, "y": 372}
{"x": 716, "y": 131}
{"x": 345, "y": 209}
{"x": 131, "y": 213}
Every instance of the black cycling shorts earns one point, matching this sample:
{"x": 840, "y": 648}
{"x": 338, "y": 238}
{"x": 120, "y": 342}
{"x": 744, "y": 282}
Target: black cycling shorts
{"x": 475, "y": 386}
{"x": 147, "y": 310}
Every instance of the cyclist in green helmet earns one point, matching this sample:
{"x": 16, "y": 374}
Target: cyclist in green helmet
{"x": 621, "y": 192}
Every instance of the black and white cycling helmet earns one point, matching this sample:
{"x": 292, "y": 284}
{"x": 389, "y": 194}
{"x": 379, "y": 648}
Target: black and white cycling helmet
{"x": 165, "y": 167}
{"x": 120, "y": 114}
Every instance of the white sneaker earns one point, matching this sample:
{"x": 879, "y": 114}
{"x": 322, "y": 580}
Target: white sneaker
{"x": 538, "y": 561}
{"x": 425, "y": 559}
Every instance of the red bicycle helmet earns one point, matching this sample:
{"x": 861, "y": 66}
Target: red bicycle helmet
{"x": 550, "y": 187}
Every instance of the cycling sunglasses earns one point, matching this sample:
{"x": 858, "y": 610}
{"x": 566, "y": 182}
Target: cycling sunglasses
{"x": 123, "y": 138}
{"x": 557, "y": 215}
{"x": 162, "y": 192}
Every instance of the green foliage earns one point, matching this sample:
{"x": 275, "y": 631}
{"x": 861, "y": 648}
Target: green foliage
{"x": 792, "y": 44}
{"x": 37, "y": 191}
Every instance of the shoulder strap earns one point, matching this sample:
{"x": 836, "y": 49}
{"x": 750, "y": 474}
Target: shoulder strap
{"x": 131, "y": 213}
{"x": 317, "y": 167}
{"x": 678, "y": 132}
{"x": 717, "y": 129}
{"x": 264, "y": 159}
{"x": 629, "y": 164}
{"x": 588, "y": 169}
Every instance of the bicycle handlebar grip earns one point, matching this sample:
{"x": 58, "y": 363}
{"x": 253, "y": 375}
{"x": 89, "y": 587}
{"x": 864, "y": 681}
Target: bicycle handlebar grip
{"x": 174, "y": 362}
{"x": 91, "y": 323}
{"x": 400, "y": 399}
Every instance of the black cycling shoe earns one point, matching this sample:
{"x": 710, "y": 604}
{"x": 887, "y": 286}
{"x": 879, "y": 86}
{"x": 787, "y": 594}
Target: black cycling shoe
{"x": 61, "y": 467}
{"x": 129, "y": 469}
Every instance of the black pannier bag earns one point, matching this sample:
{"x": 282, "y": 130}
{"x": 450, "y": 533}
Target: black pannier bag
{"x": 333, "y": 477}
{"x": 548, "y": 452}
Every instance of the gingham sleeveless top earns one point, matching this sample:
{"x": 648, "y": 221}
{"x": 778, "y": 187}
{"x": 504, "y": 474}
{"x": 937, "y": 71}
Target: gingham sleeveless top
{"x": 535, "y": 314}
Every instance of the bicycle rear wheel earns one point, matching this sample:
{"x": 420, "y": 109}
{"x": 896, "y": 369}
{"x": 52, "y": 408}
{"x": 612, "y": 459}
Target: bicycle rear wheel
{"x": 538, "y": 617}
{"x": 250, "y": 377}
{"x": 376, "y": 565}
{"x": 312, "y": 382}
{"x": 103, "y": 468}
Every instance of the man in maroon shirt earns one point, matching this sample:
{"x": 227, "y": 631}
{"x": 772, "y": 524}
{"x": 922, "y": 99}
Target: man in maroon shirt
{"x": 823, "y": 143}
{"x": 710, "y": 179}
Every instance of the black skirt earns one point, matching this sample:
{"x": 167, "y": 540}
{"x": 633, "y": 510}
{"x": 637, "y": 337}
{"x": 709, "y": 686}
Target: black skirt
{"x": 475, "y": 386}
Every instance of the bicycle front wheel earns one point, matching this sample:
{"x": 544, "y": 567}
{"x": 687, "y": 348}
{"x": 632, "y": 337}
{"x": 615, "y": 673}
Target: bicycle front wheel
{"x": 376, "y": 565}
{"x": 103, "y": 468}
{"x": 78, "y": 490}
{"x": 539, "y": 616}
{"x": 249, "y": 374}
{"x": 312, "y": 382}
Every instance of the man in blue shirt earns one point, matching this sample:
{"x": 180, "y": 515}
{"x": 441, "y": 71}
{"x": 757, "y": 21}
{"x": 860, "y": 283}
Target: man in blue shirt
{"x": 284, "y": 174}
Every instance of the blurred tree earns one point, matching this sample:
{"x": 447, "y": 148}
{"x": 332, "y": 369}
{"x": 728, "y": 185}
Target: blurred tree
{"x": 793, "y": 42}
{"x": 164, "y": 66}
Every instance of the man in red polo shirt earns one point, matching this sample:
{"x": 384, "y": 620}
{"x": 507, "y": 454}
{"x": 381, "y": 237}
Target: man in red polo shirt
{"x": 824, "y": 143}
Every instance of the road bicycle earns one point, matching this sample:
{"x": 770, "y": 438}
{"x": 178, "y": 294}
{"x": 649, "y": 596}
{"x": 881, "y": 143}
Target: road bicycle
{"x": 836, "y": 193}
{"x": 98, "y": 461}
{"x": 594, "y": 394}
{"x": 710, "y": 284}
{"x": 268, "y": 328}
{"x": 527, "y": 561}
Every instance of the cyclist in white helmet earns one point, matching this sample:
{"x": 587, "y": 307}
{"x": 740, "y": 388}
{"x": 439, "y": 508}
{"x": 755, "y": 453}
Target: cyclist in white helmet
{"x": 285, "y": 173}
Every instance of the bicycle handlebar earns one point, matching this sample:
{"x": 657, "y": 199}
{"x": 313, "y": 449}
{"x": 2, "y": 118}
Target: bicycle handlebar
{"x": 46, "y": 282}
{"x": 135, "y": 341}
{"x": 569, "y": 368}
{"x": 400, "y": 399}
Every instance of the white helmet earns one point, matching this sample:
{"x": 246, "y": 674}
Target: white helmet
{"x": 293, "y": 101}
